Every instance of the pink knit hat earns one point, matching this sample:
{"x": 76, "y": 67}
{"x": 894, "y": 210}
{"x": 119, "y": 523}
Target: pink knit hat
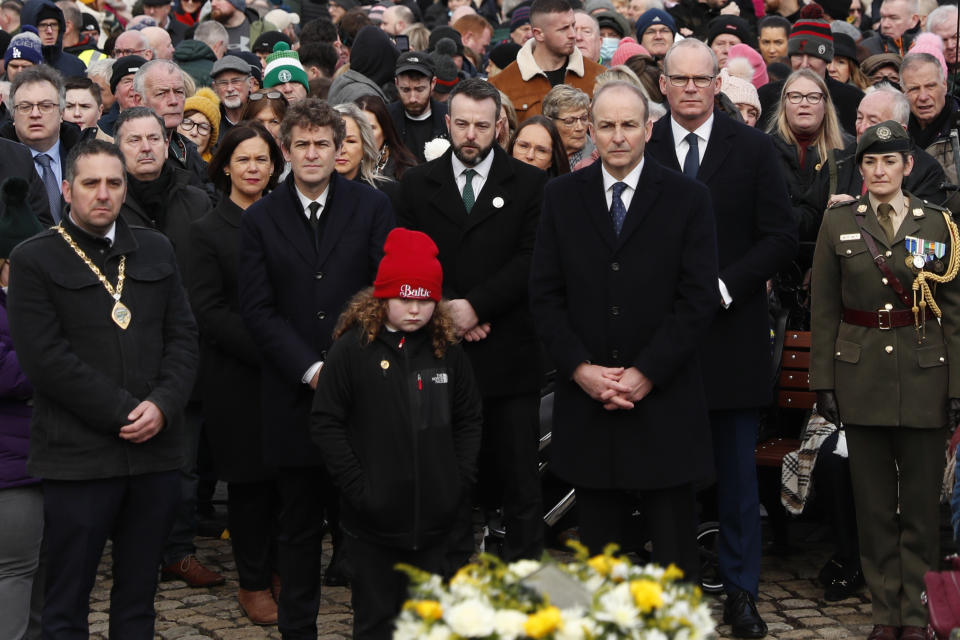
{"x": 933, "y": 44}
{"x": 628, "y": 48}
{"x": 760, "y": 76}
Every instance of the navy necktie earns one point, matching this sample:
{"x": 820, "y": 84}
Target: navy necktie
{"x": 50, "y": 184}
{"x": 691, "y": 164}
{"x": 617, "y": 210}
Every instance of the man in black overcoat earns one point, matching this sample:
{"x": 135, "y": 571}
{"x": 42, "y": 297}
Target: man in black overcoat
{"x": 306, "y": 248}
{"x": 102, "y": 328}
{"x": 485, "y": 251}
{"x": 623, "y": 286}
{"x": 756, "y": 237}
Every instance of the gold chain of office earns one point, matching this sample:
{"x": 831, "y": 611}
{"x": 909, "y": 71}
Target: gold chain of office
{"x": 921, "y": 285}
{"x": 120, "y": 314}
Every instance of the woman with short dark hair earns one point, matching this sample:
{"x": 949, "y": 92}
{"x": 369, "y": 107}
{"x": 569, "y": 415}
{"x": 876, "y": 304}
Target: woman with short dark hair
{"x": 246, "y": 165}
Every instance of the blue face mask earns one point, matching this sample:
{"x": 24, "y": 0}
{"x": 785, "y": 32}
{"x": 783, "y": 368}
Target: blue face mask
{"x": 608, "y": 46}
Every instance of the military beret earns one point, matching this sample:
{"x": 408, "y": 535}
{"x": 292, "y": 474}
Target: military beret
{"x": 886, "y": 137}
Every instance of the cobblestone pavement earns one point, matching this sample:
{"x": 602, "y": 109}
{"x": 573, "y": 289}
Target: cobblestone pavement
{"x": 790, "y": 601}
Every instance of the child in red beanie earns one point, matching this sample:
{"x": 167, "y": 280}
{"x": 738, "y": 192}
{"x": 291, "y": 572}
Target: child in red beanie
{"x": 397, "y": 418}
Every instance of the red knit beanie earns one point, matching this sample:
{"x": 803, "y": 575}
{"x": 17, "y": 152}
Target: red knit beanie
{"x": 409, "y": 268}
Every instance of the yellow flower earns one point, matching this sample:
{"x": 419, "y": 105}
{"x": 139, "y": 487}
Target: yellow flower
{"x": 543, "y": 622}
{"x": 647, "y": 594}
{"x": 673, "y": 572}
{"x": 603, "y": 564}
{"x": 427, "y": 609}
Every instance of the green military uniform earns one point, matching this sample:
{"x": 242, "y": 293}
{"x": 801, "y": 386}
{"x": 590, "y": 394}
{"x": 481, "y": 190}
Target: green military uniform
{"x": 892, "y": 391}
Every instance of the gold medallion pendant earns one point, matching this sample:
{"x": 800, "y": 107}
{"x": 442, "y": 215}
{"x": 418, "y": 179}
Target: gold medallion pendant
{"x": 121, "y": 315}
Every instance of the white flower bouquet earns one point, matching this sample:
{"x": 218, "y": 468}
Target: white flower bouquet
{"x": 605, "y": 597}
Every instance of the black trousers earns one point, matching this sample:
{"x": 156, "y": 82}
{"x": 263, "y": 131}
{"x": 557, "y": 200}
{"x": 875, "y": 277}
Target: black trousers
{"x": 509, "y": 477}
{"x": 669, "y": 521}
{"x": 306, "y": 495}
{"x": 379, "y": 590}
{"x": 252, "y": 518}
{"x": 136, "y": 513}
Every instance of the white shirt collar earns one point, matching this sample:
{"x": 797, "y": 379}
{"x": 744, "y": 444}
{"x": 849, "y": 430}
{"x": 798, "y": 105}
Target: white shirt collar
{"x": 482, "y": 168}
{"x": 305, "y": 201}
{"x": 703, "y": 131}
{"x": 631, "y": 179}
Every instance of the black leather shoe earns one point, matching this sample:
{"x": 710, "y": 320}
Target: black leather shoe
{"x": 740, "y": 612}
{"x": 844, "y": 585}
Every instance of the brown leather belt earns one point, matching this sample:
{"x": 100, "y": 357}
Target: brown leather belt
{"x": 883, "y": 318}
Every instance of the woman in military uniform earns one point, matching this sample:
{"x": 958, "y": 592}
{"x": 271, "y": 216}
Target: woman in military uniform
{"x": 885, "y": 307}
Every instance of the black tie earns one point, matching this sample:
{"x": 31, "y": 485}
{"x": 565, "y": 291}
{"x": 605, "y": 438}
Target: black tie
{"x": 314, "y": 215}
{"x": 691, "y": 164}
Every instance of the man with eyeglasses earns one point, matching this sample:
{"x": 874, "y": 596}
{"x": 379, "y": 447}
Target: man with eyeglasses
{"x": 132, "y": 43}
{"x": 656, "y": 30}
{"x": 810, "y": 46}
{"x": 231, "y": 81}
{"x": 36, "y": 100}
{"x": 756, "y": 238}
{"x": 48, "y": 20}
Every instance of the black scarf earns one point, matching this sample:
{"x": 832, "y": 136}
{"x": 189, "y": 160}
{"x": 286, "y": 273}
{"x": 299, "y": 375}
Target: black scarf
{"x": 152, "y": 195}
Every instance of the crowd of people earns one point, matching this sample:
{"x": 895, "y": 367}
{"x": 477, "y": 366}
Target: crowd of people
{"x": 327, "y": 252}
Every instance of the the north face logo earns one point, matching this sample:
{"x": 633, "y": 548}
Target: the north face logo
{"x": 406, "y": 291}
{"x": 440, "y": 378}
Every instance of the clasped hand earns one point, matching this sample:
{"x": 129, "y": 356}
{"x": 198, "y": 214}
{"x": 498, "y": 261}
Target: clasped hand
{"x": 615, "y": 387}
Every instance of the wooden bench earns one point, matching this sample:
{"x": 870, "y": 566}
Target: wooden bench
{"x": 793, "y": 392}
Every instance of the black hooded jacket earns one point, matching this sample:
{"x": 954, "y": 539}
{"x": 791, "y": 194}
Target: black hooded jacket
{"x": 67, "y": 64}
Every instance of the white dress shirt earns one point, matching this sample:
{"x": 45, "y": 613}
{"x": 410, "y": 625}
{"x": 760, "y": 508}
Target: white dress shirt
{"x": 631, "y": 180}
{"x": 483, "y": 172}
{"x": 682, "y": 147}
{"x": 305, "y": 203}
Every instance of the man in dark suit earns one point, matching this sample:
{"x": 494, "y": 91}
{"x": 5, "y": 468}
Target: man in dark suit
{"x": 16, "y": 161}
{"x": 36, "y": 98}
{"x": 623, "y": 286}
{"x": 481, "y": 208}
{"x": 305, "y": 250}
{"x": 756, "y": 236}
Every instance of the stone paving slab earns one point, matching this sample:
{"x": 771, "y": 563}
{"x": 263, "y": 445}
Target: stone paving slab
{"x": 790, "y": 601}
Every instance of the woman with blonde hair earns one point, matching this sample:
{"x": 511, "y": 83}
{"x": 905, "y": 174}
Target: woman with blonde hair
{"x": 358, "y": 155}
{"x": 806, "y": 129}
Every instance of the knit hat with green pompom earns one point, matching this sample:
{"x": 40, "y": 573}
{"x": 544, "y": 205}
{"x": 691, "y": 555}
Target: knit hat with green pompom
{"x": 283, "y": 65}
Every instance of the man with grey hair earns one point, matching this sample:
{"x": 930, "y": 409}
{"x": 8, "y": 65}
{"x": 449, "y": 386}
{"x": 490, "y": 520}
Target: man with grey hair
{"x": 196, "y": 56}
{"x": 593, "y": 284}
{"x": 942, "y": 22}
{"x": 588, "y": 35}
{"x": 841, "y": 180}
{"x": 132, "y": 43}
{"x": 898, "y": 25}
{"x": 757, "y": 237}
{"x": 159, "y": 85}
{"x": 933, "y": 112}
{"x": 36, "y": 101}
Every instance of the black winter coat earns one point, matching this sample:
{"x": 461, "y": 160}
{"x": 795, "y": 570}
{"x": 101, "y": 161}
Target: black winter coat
{"x": 292, "y": 292}
{"x": 88, "y": 374}
{"x": 185, "y": 205}
{"x": 486, "y": 259}
{"x": 16, "y": 161}
{"x": 229, "y": 378}
{"x": 399, "y": 431}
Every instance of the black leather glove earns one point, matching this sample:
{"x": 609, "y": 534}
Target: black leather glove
{"x": 953, "y": 413}
{"x": 827, "y": 406}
